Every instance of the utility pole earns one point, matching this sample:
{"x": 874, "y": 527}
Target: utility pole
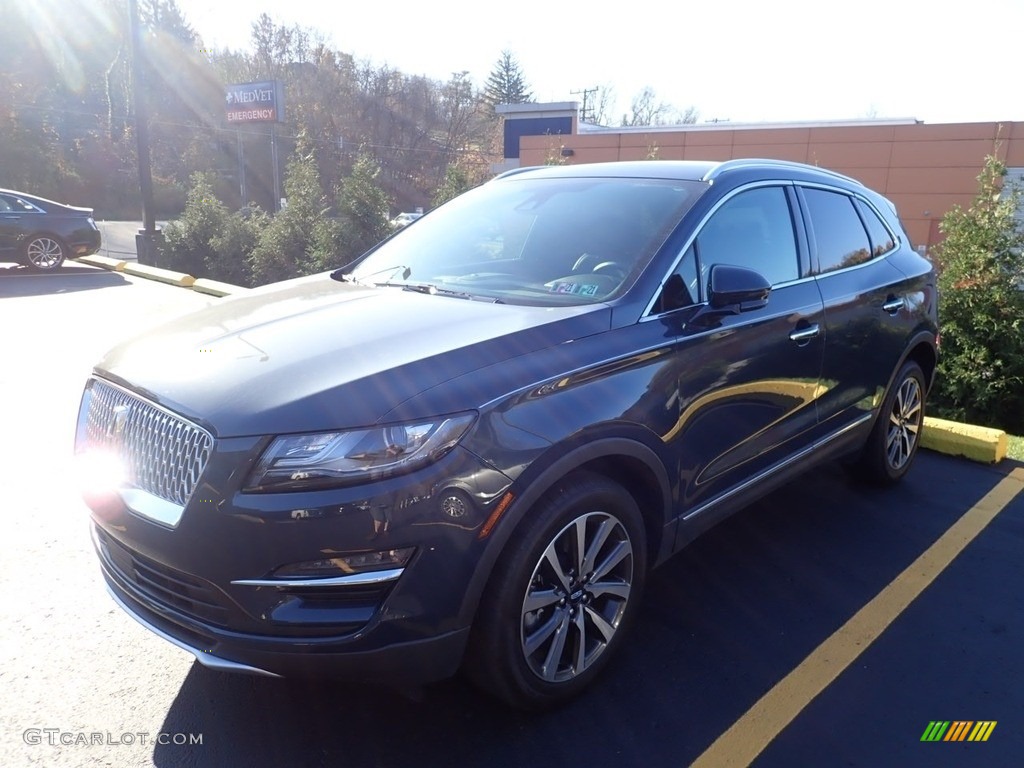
{"x": 585, "y": 111}
{"x": 146, "y": 241}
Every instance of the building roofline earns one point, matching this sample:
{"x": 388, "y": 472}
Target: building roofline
{"x": 727, "y": 126}
{"x": 532, "y": 106}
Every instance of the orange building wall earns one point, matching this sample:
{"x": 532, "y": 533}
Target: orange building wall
{"x": 924, "y": 169}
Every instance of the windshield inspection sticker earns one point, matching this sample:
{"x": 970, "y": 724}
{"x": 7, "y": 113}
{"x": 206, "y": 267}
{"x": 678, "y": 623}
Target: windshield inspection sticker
{"x": 580, "y": 289}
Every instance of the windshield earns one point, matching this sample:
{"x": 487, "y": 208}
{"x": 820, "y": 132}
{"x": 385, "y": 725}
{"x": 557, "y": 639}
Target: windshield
{"x": 539, "y": 241}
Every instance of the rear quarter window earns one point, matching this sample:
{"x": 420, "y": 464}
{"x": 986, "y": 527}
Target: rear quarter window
{"x": 882, "y": 240}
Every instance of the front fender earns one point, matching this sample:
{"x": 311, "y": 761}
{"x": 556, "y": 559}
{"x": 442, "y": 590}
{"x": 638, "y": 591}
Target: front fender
{"x": 621, "y": 452}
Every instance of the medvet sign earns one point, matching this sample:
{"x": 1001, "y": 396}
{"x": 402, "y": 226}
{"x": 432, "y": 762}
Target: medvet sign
{"x": 255, "y": 102}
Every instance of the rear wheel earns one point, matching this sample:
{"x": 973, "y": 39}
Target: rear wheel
{"x": 562, "y": 597}
{"x": 44, "y": 253}
{"x": 893, "y": 443}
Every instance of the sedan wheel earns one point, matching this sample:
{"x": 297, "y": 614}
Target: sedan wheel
{"x": 44, "y": 253}
{"x": 562, "y": 596}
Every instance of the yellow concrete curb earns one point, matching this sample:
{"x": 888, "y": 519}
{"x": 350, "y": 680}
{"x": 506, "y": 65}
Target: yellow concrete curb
{"x": 982, "y": 444}
{"x": 200, "y": 285}
{"x": 163, "y": 275}
{"x": 216, "y": 288}
{"x": 105, "y": 262}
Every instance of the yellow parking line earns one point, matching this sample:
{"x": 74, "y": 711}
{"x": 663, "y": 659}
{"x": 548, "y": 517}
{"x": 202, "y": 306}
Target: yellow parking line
{"x": 756, "y": 729}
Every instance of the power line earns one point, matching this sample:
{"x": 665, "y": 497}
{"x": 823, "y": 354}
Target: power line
{"x": 586, "y": 112}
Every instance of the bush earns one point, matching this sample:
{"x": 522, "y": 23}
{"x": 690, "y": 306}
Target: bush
{"x": 981, "y": 288}
{"x": 229, "y": 260}
{"x": 302, "y": 237}
{"x": 208, "y": 241}
{"x": 187, "y": 241}
{"x": 363, "y": 210}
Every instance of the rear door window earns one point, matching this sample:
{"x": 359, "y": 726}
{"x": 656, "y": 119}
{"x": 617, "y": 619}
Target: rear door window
{"x": 839, "y": 235}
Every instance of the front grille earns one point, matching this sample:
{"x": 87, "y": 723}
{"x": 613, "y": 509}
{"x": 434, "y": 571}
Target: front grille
{"x": 161, "y": 453}
{"x": 161, "y": 583}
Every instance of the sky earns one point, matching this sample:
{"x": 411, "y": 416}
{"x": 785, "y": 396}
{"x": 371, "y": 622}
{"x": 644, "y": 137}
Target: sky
{"x": 735, "y": 60}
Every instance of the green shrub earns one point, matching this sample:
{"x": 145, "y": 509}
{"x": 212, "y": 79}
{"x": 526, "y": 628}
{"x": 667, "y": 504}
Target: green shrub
{"x": 208, "y": 241}
{"x": 363, "y": 213}
{"x": 981, "y": 290}
{"x": 302, "y": 237}
{"x": 187, "y": 241}
{"x": 229, "y": 260}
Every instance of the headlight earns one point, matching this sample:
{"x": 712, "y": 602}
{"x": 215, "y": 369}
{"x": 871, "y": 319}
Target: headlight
{"x": 331, "y": 459}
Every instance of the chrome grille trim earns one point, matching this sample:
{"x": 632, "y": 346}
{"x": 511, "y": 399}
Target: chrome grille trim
{"x": 162, "y": 453}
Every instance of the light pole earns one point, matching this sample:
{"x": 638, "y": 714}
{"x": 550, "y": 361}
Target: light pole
{"x": 146, "y": 241}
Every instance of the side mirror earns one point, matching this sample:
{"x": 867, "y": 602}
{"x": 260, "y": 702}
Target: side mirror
{"x": 735, "y": 289}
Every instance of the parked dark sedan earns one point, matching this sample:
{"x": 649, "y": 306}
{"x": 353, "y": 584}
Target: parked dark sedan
{"x": 40, "y": 233}
{"x": 470, "y": 447}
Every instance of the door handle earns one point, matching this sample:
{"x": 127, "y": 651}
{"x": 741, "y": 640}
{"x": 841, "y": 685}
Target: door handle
{"x": 804, "y": 335}
{"x": 894, "y": 305}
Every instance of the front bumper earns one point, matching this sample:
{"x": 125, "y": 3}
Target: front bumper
{"x": 207, "y": 584}
{"x": 406, "y": 663}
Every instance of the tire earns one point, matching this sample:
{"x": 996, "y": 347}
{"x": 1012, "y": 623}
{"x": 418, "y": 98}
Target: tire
{"x": 551, "y": 617}
{"x": 44, "y": 253}
{"x": 894, "y": 440}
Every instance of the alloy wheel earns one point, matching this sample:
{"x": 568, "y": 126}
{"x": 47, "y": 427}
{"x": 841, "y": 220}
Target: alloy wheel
{"x": 576, "y": 597}
{"x": 904, "y": 423}
{"x": 45, "y": 253}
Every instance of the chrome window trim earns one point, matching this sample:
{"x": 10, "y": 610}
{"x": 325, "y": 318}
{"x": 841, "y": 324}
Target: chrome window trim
{"x": 896, "y": 239}
{"x": 648, "y": 313}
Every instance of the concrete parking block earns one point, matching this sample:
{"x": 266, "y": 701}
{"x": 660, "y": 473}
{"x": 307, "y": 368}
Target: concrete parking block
{"x": 216, "y": 287}
{"x": 982, "y": 444}
{"x": 104, "y": 262}
{"x": 163, "y": 275}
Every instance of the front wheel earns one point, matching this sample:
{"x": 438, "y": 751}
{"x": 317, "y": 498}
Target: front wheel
{"x": 562, "y": 597}
{"x": 44, "y": 253}
{"x": 893, "y": 443}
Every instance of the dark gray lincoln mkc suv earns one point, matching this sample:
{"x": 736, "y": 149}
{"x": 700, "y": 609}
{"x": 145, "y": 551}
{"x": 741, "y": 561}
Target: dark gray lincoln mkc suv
{"x": 469, "y": 447}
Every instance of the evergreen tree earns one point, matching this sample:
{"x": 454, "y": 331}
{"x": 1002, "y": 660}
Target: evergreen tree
{"x": 457, "y": 179}
{"x": 302, "y": 238}
{"x": 363, "y": 211}
{"x": 506, "y": 83}
{"x": 207, "y": 241}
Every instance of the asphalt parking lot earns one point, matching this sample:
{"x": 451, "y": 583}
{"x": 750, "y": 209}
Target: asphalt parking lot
{"x": 827, "y": 625}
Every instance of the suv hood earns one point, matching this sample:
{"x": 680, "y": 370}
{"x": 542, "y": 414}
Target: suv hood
{"x": 315, "y": 354}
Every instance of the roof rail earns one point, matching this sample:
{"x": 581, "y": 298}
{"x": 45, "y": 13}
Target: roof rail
{"x": 746, "y": 162}
{"x": 516, "y": 171}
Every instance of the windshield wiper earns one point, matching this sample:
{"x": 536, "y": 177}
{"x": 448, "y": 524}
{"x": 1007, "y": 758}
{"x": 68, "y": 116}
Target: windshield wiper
{"x": 431, "y": 289}
{"x": 348, "y": 277}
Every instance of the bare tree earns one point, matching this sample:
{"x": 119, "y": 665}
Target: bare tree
{"x": 646, "y": 109}
{"x": 604, "y": 104}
